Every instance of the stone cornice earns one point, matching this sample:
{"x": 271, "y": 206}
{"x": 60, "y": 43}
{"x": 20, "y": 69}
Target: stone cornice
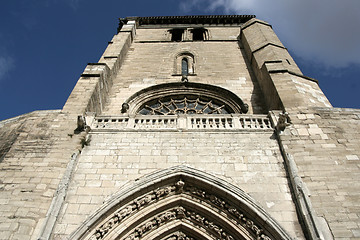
{"x": 294, "y": 73}
{"x": 253, "y": 21}
{"x": 198, "y": 19}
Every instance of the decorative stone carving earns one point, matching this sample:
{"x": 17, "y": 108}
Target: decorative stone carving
{"x": 178, "y": 236}
{"x": 209, "y": 225}
{"x": 283, "y": 121}
{"x": 180, "y": 186}
{"x": 239, "y": 217}
{"x": 152, "y": 224}
{"x": 81, "y": 123}
{"x": 245, "y": 108}
{"x": 130, "y": 208}
{"x": 184, "y": 78}
{"x": 180, "y": 213}
{"x": 124, "y": 107}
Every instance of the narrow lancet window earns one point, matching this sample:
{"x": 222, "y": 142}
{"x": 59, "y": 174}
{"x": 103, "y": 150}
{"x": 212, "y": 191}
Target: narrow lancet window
{"x": 184, "y": 67}
{"x": 184, "y": 64}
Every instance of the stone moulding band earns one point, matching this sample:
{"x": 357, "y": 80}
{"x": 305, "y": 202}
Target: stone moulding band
{"x": 183, "y": 214}
{"x": 294, "y": 73}
{"x": 225, "y": 122}
{"x": 199, "y": 19}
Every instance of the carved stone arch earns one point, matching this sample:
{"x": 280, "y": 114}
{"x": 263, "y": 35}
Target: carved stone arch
{"x": 219, "y": 96}
{"x": 190, "y": 57}
{"x": 180, "y": 200}
{"x": 176, "y": 230}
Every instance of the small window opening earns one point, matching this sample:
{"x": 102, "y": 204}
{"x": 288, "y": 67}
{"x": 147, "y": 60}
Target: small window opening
{"x": 176, "y": 34}
{"x": 199, "y": 34}
{"x": 184, "y": 67}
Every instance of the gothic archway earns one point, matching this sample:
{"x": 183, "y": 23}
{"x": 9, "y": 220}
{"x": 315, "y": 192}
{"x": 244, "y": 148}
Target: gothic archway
{"x": 221, "y": 100}
{"x": 180, "y": 203}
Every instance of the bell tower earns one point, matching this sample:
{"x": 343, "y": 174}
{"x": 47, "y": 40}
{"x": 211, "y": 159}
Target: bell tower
{"x": 188, "y": 127}
{"x": 189, "y": 96}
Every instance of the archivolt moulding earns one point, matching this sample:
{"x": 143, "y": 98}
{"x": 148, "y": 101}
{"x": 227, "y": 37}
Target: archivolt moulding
{"x": 180, "y": 200}
{"x": 215, "y": 93}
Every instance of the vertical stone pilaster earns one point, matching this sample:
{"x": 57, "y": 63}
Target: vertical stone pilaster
{"x": 91, "y": 90}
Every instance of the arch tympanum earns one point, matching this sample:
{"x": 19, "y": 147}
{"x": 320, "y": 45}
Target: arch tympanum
{"x": 180, "y": 203}
{"x": 214, "y": 99}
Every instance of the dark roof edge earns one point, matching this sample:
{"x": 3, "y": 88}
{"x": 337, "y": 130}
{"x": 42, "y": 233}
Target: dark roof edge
{"x": 195, "y": 19}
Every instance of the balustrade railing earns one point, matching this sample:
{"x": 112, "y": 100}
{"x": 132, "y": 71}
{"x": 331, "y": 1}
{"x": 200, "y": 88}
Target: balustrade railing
{"x": 182, "y": 122}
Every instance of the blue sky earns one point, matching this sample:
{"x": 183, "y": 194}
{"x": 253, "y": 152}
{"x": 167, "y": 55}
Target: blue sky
{"x": 46, "y": 44}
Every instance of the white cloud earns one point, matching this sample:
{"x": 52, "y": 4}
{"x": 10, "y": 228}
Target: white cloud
{"x": 6, "y": 64}
{"x": 318, "y": 30}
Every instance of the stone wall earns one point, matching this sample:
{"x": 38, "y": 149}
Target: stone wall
{"x": 39, "y": 146}
{"x": 220, "y": 62}
{"x": 324, "y": 143}
{"x": 251, "y": 161}
{"x": 44, "y": 185}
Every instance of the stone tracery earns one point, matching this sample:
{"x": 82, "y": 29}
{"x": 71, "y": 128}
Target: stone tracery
{"x": 188, "y": 104}
{"x": 185, "y": 97}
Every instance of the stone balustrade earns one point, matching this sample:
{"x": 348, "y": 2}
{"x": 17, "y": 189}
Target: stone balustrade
{"x": 227, "y": 122}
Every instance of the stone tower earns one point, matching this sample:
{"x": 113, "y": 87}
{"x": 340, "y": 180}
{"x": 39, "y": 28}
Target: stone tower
{"x": 191, "y": 127}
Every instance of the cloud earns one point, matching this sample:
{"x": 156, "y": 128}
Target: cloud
{"x": 6, "y": 65}
{"x": 324, "y": 31}
{"x": 74, "y": 4}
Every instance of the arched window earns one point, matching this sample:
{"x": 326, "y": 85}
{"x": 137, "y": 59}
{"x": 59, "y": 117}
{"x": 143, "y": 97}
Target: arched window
{"x": 185, "y": 98}
{"x": 184, "y": 64}
{"x": 184, "y": 67}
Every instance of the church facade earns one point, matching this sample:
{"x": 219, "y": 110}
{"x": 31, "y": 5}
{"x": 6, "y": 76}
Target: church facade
{"x": 188, "y": 127}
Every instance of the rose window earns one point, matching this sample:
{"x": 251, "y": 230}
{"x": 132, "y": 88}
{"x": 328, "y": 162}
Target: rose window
{"x": 184, "y": 104}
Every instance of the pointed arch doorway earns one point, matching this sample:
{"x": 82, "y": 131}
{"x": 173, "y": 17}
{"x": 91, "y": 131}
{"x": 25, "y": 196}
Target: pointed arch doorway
{"x": 180, "y": 203}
